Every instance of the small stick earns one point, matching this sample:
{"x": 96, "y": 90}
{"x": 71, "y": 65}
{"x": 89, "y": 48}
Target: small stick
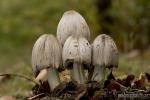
{"x": 36, "y": 96}
{"x": 80, "y": 95}
{"x": 21, "y": 76}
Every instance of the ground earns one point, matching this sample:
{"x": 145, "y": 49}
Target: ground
{"x": 19, "y": 63}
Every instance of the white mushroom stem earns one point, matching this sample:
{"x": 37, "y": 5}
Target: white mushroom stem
{"x": 77, "y": 73}
{"x": 42, "y": 76}
{"x": 98, "y": 73}
{"x": 53, "y": 78}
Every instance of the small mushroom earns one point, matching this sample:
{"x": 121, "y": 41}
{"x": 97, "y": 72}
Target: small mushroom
{"x": 72, "y": 23}
{"x": 77, "y": 56}
{"x": 47, "y": 58}
{"x": 105, "y": 55}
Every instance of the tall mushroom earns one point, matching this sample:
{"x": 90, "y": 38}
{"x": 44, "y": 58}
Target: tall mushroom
{"x": 76, "y": 56}
{"x": 105, "y": 55}
{"x": 47, "y": 57}
{"x": 72, "y": 23}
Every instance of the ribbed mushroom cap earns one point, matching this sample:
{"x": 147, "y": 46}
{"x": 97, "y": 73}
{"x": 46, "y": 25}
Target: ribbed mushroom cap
{"x": 46, "y": 53}
{"x": 72, "y": 23}
{"x": 76, "y": 50}
{"x": 105, "y": 52}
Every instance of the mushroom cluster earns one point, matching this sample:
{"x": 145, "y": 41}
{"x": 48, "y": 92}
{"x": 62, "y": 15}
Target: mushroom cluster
{"x": 72, "y": 50}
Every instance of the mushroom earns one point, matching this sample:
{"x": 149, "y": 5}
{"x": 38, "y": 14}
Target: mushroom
{"x": 72, "y": 23}
{"x": 46, "y": 59}
{"x": 77, "y": 56}
{"x": 105, "y": 55}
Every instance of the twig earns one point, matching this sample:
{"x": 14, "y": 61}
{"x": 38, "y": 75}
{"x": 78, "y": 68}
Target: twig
{"x": 80, "y": 95}
{"x": 36, "y": 96}
{"x": 21, "y": 76}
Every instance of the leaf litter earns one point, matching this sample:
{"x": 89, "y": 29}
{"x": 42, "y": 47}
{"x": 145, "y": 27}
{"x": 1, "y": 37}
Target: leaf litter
{"x": 113, "y": 89}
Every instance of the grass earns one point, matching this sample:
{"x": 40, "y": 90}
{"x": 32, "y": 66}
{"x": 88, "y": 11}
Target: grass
{"x": 19, "y": 63}
{"x": 16, "y": 63}
{"x": 134, "y": 66}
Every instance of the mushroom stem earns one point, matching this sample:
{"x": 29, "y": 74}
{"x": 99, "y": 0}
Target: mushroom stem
{"x": 98, "y": 73}
{"x": 53, "y": 78}
{"x": 77, "y": 73}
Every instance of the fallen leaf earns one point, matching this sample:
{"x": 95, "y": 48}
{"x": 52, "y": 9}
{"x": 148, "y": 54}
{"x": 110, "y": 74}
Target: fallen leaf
{"x": 147, "y": 76}
{"x": 65, "y": 76}
{"x": 126, "y": 81}
{"x": 113, "y": 85}
{"x": 140, "y": 83}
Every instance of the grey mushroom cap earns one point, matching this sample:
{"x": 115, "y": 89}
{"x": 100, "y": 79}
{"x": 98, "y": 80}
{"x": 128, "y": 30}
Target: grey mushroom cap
{"x": 105, "y": 52}
{"x": 76, "y": 50}
{"x": 47, "y": 52}
{"x": 72, "y": 23}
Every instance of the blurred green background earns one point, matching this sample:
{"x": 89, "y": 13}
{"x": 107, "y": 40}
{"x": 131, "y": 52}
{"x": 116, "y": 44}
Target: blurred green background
{"x": 23, "y": 21}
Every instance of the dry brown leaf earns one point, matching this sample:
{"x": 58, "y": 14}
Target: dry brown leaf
{"x": 140, "y": 83}
{"x": 126, "y": 80}
{"x": 113, "y": 85}
{"x": 65, "y": 76}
